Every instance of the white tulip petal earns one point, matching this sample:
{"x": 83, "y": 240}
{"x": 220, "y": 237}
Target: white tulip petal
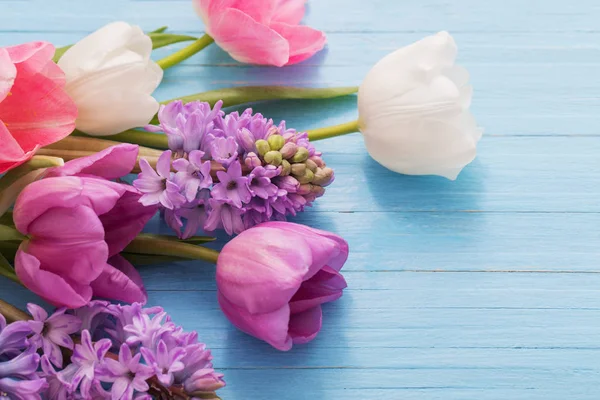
{"x": 110, "y": 76}
{"x": 414, "y": 110}
{"x": 109, "y": 112}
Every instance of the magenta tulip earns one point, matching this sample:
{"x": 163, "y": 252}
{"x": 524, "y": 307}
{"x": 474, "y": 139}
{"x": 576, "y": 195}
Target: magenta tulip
{"x": 273, "y": 278}
{"x": 265, "y": 32}
{"x": 77, "y": 221}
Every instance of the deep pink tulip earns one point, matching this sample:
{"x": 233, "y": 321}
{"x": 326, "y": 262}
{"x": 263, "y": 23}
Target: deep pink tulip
{"x": 77, "y": 222}
{"x": 273, "y": 278}
{"x": 35, "y": 111}
{"x": 265, "y": 32}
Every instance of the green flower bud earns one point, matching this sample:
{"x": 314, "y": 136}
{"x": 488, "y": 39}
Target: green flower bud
{"x": 310, "y": 164}
{"x": 276, "y": 142}
{"x": 298, "y": 169}
{"x": 307, "y": 177}
{"x": 301, "y": 155}
{"x": 286, "y": 168}
{"x": 273, "y": 157}
{"x": 262, "y": 146}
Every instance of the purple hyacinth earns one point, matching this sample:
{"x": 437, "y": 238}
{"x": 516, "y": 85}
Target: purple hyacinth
{"x": 19, "y": 378}
{"x": 13, "y": 337}
{"x": 193, "y": 174}
{"x": 165, "y": 362}
{"x": 53, "y": 332}
{"x": 86, "y": 359}
{"x": 264, "y": 171}
{"x": 232, "y": 186}
{"x": 127, "y": 374}
{"x": 158, "y": 186}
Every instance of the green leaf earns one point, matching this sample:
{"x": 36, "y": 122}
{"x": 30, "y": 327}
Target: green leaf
{"x": 165, "y": 39}
{"x": 192, "y": 240}
{"x": 58, "y": 53}
{"x": 10, "y": 233}
{"x": 7, "y": 219}
{"x": 169, "y": 246}
{"x": 7, "y": 270}
{"x": 246, "y": 94}
{"x": 159, "y": 30}
{"x": 9, "y": 250}
{"x": 150, "y": 259}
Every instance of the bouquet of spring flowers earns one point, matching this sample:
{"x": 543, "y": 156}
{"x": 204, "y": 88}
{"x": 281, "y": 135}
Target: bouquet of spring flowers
{"x": 89, "y": 157}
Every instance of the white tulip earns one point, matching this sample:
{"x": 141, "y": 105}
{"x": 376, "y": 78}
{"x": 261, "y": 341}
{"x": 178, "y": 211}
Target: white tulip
{"x": 111, "y": 78}
{"x": 414, "y": 110}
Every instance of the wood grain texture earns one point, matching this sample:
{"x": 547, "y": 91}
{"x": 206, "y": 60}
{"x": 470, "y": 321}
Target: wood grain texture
{"x": 486, "y": 288}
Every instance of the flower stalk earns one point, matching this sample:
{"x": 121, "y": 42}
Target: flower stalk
{"x": 185, "y": 53}
{"x": 333, "y": 131}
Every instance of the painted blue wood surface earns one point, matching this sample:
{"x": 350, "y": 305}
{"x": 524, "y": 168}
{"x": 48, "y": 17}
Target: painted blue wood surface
{"x": 484, "y": 288}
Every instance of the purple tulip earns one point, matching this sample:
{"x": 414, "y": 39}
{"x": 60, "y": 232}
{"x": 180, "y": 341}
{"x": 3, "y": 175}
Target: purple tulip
{"x": 273, "y": 278}
{"x": 77, "y": 221}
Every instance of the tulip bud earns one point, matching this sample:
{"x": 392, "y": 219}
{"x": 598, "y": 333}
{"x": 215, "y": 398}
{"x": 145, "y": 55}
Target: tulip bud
{"x": 289, "y": 184}
{"x": 323, "y": 176}
{"x": 317, "y": 160}
{"x": 262, "y": 146}
{"x": 307, "y": 177}
{"x": 273, "y": 157}
{"x": 301, "y": 155}
{"x": 252, "y": 160}
{"x": 288, "y": 150}
{"x": 276, "y": 142}
{"x": 304, "y": 189}
{"x": 246, "y": 139}
{"x": 286, "y": 168}
{"x": 298, "y": 169}
{"x": 311, "y": 165}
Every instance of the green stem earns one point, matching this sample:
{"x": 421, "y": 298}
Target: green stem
{"x": 37, "y": 162}
{"x": 333, "y": 131}
{"x": 143, "y": 138}
{"x": 166, "y": 247}
{"x": 10, "y": 233}
{"x": 186, "y": 52}
{"x": 12, "y": 313}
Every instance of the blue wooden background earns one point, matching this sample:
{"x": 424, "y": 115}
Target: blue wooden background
{"x": 483, "y": 288}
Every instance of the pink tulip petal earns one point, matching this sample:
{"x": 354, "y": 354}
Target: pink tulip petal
{"x": 305, "y": 326}
{"x": 38, "y": 111}
{"x": 248, "y": 41}
{"x": 47, "y": 285}
{"x": 289, "y": 11}
{"x": 304, "y": 41}
{"x": 11, "y": 154}
{"x": 271, "y": 327}
{"x": 8, "y": 73}
{"x": 262, "y": 281}
{"x": 326, "y": 286}
{"x": 69, "y": 191}
{"x": 111, "y": 163}
{"x": 259, "y": 10}
{"x": 125, "y": 220}
{"x": 311, "y": 234}
{"x": 69, "y": 242}
{"x": 120, "y": 281}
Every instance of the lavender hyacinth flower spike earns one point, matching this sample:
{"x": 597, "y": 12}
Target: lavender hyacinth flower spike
{"x": 150, "y": 357}
{"x": 263, "y": 171}
{"x": 158, "y": 187}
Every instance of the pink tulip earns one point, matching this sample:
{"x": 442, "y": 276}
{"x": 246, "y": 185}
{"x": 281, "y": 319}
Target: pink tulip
{"x": 273, "y": 278}
{"x": 77, "y": 222}
{"x": 35, "y": 111}
{"x": 265, "y": 32}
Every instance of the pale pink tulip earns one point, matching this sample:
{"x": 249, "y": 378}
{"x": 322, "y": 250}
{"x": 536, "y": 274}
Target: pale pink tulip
{"x": 273, "y": 278}
{"x": 264, "y": 32}
{"x": 35, "y": 111}
{"x": 77, "y": 222}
